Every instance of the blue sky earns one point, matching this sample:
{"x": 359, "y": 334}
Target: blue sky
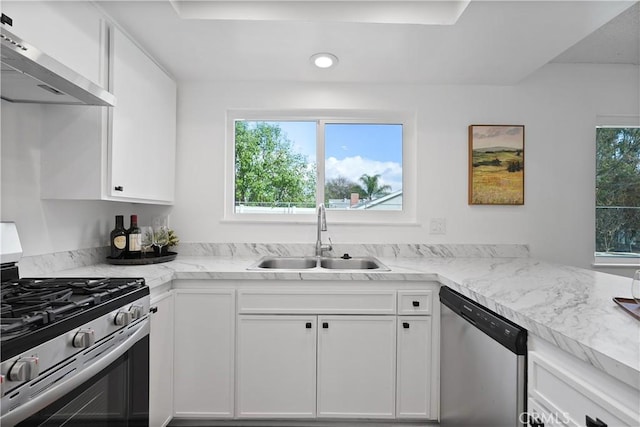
{"x": 352, "y": 150}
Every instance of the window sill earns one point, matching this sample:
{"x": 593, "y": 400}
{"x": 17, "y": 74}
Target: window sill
{"x": 615, "y": 265}
{"x": 304, "y": 222}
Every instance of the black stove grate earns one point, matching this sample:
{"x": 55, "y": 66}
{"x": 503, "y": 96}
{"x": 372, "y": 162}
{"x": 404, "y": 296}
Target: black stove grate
{"x": 34, "y": 310}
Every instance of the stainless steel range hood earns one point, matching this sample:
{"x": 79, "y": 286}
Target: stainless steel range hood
{"x": 31, "y": 76}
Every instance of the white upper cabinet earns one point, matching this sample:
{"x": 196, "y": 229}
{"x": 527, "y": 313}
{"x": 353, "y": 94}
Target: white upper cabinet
{"x": 68, "y": 31}
{"x": 122, "y": 153}
{"x": 143, "y": 125}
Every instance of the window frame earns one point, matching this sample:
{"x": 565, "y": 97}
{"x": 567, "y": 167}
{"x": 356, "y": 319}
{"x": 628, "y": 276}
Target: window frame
{"x": 612, "y": 259}
{"x": 409, "y": 166}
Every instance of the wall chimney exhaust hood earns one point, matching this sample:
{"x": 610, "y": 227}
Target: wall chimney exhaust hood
{"x": 31, "y": 76}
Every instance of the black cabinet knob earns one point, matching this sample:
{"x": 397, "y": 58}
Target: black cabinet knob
{"x": 119, "y": 188}
{"x": 405, "y": 325}
{"x": 325, "y": 325}
{"x": 308, "y": 325}
{"x": 416, "y": 303}
{"x": 535, "y": 422}
{"x": 597, "y": 423}
{"x": 153, "y": 309}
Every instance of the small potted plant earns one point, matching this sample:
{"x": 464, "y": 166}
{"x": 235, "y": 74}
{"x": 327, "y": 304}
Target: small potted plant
{"x": 165, "y": 238}
{"x": 173, "y": 239}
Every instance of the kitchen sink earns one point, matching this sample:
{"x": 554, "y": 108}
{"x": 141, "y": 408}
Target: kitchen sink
{"x": 286, "y": 263}
{"x": 364, "y": 263}
{"x": 306, "y": 262}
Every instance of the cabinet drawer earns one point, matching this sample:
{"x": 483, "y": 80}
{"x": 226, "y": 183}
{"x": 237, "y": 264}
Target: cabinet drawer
{"x": 538, "y": 415}
{"x": 415, "y": 302}
{"x": 573, "y": 397}
{"x": 252, "y": 301}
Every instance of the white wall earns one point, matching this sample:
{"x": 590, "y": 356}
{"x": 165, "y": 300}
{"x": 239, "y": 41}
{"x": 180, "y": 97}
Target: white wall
{"x": 47, "y": 226}
{"x": 558, "y": 106}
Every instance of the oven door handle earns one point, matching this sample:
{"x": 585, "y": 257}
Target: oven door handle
{"x": 45, "y": 399}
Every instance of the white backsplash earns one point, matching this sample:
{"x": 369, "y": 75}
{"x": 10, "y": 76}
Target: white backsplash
{"x": 407, "y": 250}
{"x": 39, "y": 265}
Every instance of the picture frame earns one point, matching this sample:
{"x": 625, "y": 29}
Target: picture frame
{"x": 496, "y": 164}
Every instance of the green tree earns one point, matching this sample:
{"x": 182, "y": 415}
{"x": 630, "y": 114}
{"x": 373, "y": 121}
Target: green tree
{"x": 339, "y": 187}
{"x": 371, "y": 188}
{"x": 267, "y": 169}
{"x": 617, "y": 189}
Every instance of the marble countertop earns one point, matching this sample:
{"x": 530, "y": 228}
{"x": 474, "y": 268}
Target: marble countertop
{"x": 569, "y": 307}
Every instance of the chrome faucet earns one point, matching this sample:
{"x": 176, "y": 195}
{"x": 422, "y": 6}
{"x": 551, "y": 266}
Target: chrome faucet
{"x": 322, "y": 226}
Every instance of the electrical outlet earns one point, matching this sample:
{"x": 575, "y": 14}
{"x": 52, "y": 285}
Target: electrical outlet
{"x": 438, "y": 226}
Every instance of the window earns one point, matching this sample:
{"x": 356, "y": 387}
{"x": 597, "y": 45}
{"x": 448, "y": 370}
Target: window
{"x": 286, "y": 164}
{"x": 618, "y": 194}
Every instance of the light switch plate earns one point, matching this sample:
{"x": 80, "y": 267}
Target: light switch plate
{"x": 438, "y": 226}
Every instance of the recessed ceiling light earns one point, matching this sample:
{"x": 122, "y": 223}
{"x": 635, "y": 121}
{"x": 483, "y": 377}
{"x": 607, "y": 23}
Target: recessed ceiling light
{"x": 324, "y": 60}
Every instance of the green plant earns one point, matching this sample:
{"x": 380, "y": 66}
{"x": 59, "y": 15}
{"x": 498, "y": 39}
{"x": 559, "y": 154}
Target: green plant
{"x": 173, "y": 239}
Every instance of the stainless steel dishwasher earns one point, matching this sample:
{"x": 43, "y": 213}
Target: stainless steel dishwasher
{"x": 482, "y": 365}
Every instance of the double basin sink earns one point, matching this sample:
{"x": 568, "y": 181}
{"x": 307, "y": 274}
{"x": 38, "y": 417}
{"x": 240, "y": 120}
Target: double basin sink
{"x": 308, "y": 262}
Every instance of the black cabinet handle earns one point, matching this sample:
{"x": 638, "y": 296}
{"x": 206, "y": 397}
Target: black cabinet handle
{"x": 6, "y": 20}
{"x": 405, "y": 325}
{"x": 597, "y": 423}
{"x": 535, "y": 422}
{"x": 416, "y": 303}
{"x": 118, "y": 188}
{"x": 308, "y": 325}
{"x": 325, "y": 325}
{"x": 153, "y": 310}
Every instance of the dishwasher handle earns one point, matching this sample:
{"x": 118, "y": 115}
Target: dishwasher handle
{"x": 468, "y": 318}
{"x": 501, "y": 330}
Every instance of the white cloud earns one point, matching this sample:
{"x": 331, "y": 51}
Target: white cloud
{"x": 354, "y": 167}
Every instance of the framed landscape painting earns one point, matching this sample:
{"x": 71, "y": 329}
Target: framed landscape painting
{"x": 496, "y": 165}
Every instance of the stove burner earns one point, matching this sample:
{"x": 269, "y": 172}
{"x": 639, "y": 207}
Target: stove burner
{"x": 29, "y": 304}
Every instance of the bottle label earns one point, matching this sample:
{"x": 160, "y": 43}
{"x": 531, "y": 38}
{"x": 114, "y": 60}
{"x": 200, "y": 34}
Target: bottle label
{"x": 120, "y": 242}
{"x": 135, "y": 242}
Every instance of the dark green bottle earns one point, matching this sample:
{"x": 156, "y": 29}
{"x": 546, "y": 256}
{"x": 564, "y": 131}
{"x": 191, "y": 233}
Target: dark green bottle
{"x": 118, "y": 238}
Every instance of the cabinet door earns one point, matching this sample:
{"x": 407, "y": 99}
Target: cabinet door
{"x": 68, "y": 31}
{"x": 161, "y": 361}
{"x": 143, "y": 125}
{"x": 414, "y": 367}
{"x": 276, "y": 366}
{"x": 204, "y": 353}
{"x": 356, "y": 366}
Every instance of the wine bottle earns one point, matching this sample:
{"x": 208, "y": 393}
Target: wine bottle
{"x": 134, "y": 239}
{"x": 118, "y": 238}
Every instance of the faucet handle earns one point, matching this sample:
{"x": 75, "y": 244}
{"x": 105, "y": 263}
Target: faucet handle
{"x": 329, "y": 246}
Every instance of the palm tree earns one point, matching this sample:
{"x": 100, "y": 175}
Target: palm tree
{"x": 371, "y": 188}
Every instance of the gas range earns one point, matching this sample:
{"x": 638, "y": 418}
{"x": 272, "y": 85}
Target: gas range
{"x": 35, "y": 310}
{"x": 71, "y": 339}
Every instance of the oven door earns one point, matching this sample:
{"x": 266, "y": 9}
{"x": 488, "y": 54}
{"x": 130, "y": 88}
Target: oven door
{"x": 112, "y": 391}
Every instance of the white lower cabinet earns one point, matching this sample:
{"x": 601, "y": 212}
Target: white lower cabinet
{"x": 204, "y": 355}
{"x": 276, "y": 367}
{"x": 414, "y": 367}
{"x": 563, "y": 390}
{"x": 161, "y": 360}
{"x": 356, "y": 366}
{"x": 285, "y": 364}
{"x": 275, "y": 351}
{"x": 538, "y": 416}
{"x": 336, "y": 353}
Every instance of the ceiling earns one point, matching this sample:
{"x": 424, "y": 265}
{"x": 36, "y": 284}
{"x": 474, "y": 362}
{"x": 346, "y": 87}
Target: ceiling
{"x": 616, "y": 42}
{"x": 488, "y": 42}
